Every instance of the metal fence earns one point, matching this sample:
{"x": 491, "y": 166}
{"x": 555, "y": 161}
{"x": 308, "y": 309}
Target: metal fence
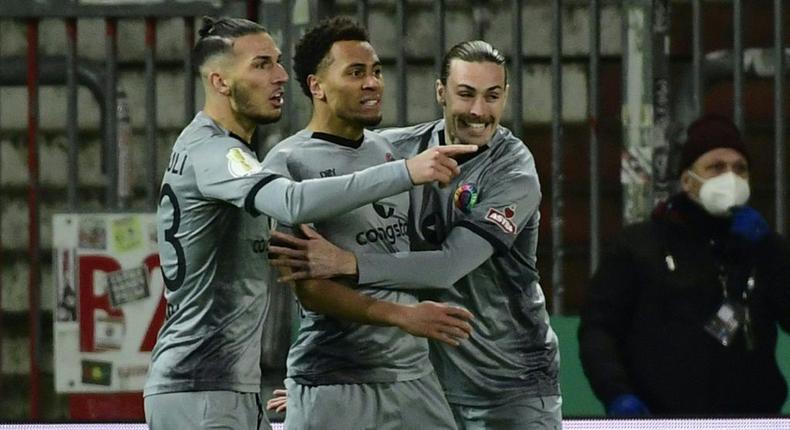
{"x": 648, "y": 118}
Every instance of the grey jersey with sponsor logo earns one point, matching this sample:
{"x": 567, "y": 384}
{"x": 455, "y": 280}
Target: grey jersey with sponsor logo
{"x": 212, "y": 246}
{"x": 328, "y": 350}
{"x": 513, "y": 351}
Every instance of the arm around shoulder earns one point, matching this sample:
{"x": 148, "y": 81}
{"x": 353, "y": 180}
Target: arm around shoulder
{"x": 462, "y": 252}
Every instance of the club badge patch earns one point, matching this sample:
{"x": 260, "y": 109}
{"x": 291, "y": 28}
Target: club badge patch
{"x": 465, "y": 197}
{"x": 502, "y": 219}
{"x": 241, "y": 163}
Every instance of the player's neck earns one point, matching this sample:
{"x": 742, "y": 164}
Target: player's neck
{"x": 325, "y": 122}
{"x": 227, "y": 120}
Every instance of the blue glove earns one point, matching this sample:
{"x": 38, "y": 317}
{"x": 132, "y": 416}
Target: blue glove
{"x": 627, "y": 405}
{"x": 748, "y": 224}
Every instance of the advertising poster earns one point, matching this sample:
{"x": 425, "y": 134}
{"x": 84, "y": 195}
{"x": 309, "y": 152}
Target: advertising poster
{"x": 109, "y": 304}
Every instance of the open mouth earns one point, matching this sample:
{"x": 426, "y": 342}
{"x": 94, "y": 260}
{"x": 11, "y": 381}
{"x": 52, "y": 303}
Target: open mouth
{"x": 277, "y": 98}
{"x": 474, "y": 125}
{"x": 371, "y": 103}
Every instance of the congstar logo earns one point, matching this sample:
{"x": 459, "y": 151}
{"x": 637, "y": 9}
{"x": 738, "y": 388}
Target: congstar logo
{"x": 259, "y": 245}
{"x": 388, "y": 233}
{"x": 383, "y": 211}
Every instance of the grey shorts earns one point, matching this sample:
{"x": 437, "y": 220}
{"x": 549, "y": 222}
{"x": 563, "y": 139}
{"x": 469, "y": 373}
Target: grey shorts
{"x": 192, "y": 410}
{"x": 533, "y": 413}
{"x": 409, "y": 405}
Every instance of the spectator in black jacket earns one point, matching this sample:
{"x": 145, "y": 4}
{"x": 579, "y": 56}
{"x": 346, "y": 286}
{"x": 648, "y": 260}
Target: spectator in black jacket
{"x": 681, "y": 316}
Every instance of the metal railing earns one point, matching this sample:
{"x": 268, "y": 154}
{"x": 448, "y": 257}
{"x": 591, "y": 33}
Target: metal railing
{"x": 77, "y": 74}
{"x": 678, "y": 110}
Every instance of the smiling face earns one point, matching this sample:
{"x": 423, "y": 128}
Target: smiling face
{"x": 256, "y": 79}
{"x": 473, "y": 101}
{"x": 350, "y": 84}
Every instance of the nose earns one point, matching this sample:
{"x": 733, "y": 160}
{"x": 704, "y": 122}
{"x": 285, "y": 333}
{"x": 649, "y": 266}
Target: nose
{"x": 371, "y": 82}
{"x": 280, "y": 75}
{"x": 478, "y": 107}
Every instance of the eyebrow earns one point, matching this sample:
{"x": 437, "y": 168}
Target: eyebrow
{"x": 263, "y": 58}
{"x": 469, "y": 87}
{"x": 352, "y": 65}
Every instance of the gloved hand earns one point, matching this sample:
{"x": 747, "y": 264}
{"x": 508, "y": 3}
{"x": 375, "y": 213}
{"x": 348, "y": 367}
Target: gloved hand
{"x": 748, "y": 224}
{"x": 627, "y": 405}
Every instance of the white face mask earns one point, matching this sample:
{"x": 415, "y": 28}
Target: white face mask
{"x": 720, "y": 193}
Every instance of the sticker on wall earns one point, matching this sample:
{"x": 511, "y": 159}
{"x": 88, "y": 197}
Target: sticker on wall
{"x": 127, "y": 234}
{"x": 92, "y": 233}
{"x": 96, "y": 372}
{"x": 126, "y": 286}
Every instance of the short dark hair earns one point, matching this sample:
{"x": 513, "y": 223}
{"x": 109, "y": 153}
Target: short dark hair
{"x": 216, "y": 36}
{"x": 472, "y": 51}
{"x": 316, "y": 43}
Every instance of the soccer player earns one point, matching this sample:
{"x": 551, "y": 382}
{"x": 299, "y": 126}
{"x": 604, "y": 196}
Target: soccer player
{"x": 346, "y": 370}
{"x": 205, "y": 370}
{"x": 480, "y": 238}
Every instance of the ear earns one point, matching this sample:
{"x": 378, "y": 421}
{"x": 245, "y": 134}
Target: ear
{"x": 686, "y": 182}
{"x": 219, "y": 84}
{"x": 440, "y": 93}
{"x": 314, "y": 84}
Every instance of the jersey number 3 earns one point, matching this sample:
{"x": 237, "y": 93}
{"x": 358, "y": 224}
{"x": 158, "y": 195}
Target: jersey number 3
{"x": 170, "y": 237}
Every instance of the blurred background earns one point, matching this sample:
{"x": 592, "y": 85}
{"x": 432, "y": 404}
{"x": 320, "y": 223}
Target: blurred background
{"x": 94, "y": 92}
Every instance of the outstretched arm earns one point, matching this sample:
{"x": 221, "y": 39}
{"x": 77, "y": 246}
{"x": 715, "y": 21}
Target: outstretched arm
{"x": 316, "y": 199}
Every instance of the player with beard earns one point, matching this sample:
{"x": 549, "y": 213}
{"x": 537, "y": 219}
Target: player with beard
{"x": 205, "y": 369}
{"x": 348, "y": 368}
{"x": 474, "y": 245}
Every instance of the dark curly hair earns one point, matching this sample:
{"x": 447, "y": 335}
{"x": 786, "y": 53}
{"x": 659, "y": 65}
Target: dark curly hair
{"x": 312, "y": 49}
{"x": 216, "y": 36}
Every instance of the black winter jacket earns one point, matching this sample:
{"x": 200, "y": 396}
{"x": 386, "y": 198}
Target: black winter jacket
{"x": 642, "y": 326}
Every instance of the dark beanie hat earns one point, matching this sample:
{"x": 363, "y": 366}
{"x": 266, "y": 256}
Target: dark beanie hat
{"x": 709, "y": 132}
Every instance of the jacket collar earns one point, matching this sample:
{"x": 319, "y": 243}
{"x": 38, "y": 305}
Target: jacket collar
{"x": 681, "y": 210}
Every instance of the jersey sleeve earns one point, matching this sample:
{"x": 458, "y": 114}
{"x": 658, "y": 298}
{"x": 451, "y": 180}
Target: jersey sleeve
{"x": 226, "y": 169}
{"x": 297, "y": 202}
{"x": 462, "y": 252}
{"x": 276, "y": 162}
{"x": 502, "y": 207}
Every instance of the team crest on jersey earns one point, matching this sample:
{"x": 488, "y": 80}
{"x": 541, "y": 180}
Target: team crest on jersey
{"x": 241, "y": 163}
{"x": 503, "y": 219}
{"x": 465, "y": 197}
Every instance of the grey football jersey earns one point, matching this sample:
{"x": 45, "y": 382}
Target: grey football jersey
{"x": 212, "y": 246}
{"x": 512, "y": 351}
{"x": 213, "y": 257}
{"x": 328, "y": 350}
